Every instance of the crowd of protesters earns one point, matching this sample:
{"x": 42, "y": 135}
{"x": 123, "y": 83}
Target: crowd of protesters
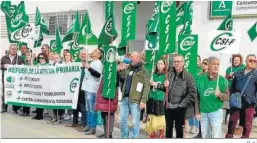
{"x": 169, "y": 96}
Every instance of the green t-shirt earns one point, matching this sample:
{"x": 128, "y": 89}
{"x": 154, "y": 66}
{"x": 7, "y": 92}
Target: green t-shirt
{"x": 206, "y": 88}
{"x": 234, "y": 69}
{"x": 157, "y": 94}
{"x": 199, "y": 70}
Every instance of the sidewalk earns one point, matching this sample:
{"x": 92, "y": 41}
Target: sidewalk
{"x": 187, "y": 135}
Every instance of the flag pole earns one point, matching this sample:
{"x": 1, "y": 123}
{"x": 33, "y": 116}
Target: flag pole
{"x": 217, "y": 85}
{"x": 167, "y": 78}
{"x": 109, "y": 112}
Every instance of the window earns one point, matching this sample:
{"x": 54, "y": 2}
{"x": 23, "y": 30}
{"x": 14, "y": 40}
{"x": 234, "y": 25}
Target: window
{"x": 62, "y": 19}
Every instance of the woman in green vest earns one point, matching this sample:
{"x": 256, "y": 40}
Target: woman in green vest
{"x": 155, "y": 124}
{"x": 42, "y": 61}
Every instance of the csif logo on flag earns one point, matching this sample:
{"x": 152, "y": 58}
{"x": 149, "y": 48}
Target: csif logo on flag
{"x": 73, "y": 85}
{"x": 110, "y": 55}
{"x": 222, "y": 41}
{"x": 22, "y": 33}
{"x": 108, "y": 28}
{"x": 129, "y": 8}
{"x": 228, "y": 24}
{"x": 166, "y": 5}
{"x": 187, "y": 43}
{"x": 53, "y": 45}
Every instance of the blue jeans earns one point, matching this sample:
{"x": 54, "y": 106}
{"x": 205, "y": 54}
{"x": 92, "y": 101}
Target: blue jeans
{"x": 91, "y": 113}
{"x": 126, "y": 108}
{"x": 193, "y": 122}
{"x": 211, "y": 124}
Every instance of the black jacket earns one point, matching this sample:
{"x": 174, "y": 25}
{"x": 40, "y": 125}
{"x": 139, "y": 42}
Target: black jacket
{"x": 6, "y": 60}
{"x": 249, "y": 98}
{"x": 182, "y": 91}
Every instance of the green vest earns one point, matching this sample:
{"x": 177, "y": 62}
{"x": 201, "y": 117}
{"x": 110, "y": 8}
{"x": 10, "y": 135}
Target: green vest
{"x": 234, "y": 69}
{"x": 199, "y": 70}
{"x": 206, "y": 88}
{"x": 157, "y": 94}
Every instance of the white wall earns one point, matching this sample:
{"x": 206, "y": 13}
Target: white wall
{"x": 201, "y": 23}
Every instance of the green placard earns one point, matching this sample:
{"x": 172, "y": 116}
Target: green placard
{"x": 187, "y": 47}
{"x": 129, "y": 9}
{"x": 110, "y": 72}
{"x": 167, "y": 36}
{"x": 220, "y": 9}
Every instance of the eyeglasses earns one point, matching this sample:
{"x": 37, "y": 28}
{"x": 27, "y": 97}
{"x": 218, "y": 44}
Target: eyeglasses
{"x": 205, "y": 63}
{"x": 177, "y": 61}
{"x": 42, "y": 49}
{"x": 252, "y": 61}
{"x": 41, "y": 58}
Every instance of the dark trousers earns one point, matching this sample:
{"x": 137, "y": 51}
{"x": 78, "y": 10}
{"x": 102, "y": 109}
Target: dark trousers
{"x": 26, "y": 110}
{"x": 58, "y": 113}
{"x": 105, "y": 121}
{"x": 80, "y": 108}
{"x": 178, "y": 116}
{"x": 39, "y": 112}
{"x": 247, "y": 114}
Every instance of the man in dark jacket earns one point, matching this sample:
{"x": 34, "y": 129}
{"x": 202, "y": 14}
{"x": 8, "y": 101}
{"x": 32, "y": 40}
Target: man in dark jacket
{"x": 249, "y": 99}
{"x": 11, "y": 59}
{"x": 134, "y": 93}
{"x": 181, "y": 97}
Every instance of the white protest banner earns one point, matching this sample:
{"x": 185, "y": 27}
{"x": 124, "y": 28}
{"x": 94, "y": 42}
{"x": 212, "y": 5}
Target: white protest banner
{"x": 225, "y": 42}
{"x": 54, "y": 87}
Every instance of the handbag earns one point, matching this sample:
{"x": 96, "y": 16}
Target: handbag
{"x": 235, "y": 100}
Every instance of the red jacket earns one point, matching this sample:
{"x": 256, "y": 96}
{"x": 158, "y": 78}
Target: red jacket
{"x": 102, "y": 104}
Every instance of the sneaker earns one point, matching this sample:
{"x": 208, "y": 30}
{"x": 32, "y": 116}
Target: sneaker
{"x": 57, "y": 122}
{"x": 52, "y": 121}
{"x": 67, "y": 117}
{"x": 194, "y": 130}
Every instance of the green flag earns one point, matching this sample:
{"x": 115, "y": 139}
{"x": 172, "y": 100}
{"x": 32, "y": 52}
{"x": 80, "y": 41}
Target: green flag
{"x": 180, "y": 15}
{"x": 188, "y": 16}
{"x": 167, "y": 35}
{"x": 73, "y": 31}
{"x": 108, "y": 9}
{"x": 16, "y": 19}
{"x": 108, "y": 33}
{"x": 122, "y": 48}
{"x": 128, "y": 29}
{"x": 56, "y": 45}
{"x": 19, "y": 18}
{"x": 187, "y": 47}
{"x": 252, "y": 32}
{"x": 227, "y": 23}
{"x": 75, "y": 51}
{"x": 38, "y": 42}
{"x": 152, "y": 29}
{"x": 86, "y": 36}
{"x": 110, "y": 72}
{"x": 41, "y": 22}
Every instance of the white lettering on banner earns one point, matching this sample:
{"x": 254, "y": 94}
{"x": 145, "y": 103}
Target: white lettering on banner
{"x": 166, "y": 5}
{"x": 187, "y": 43}
{"x": 167, "y": 32}
{"x": 128, "y": 26}
{"x": 31, "y": 85}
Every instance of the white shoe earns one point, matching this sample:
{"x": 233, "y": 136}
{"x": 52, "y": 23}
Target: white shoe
{"x": 194, "y": 130}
